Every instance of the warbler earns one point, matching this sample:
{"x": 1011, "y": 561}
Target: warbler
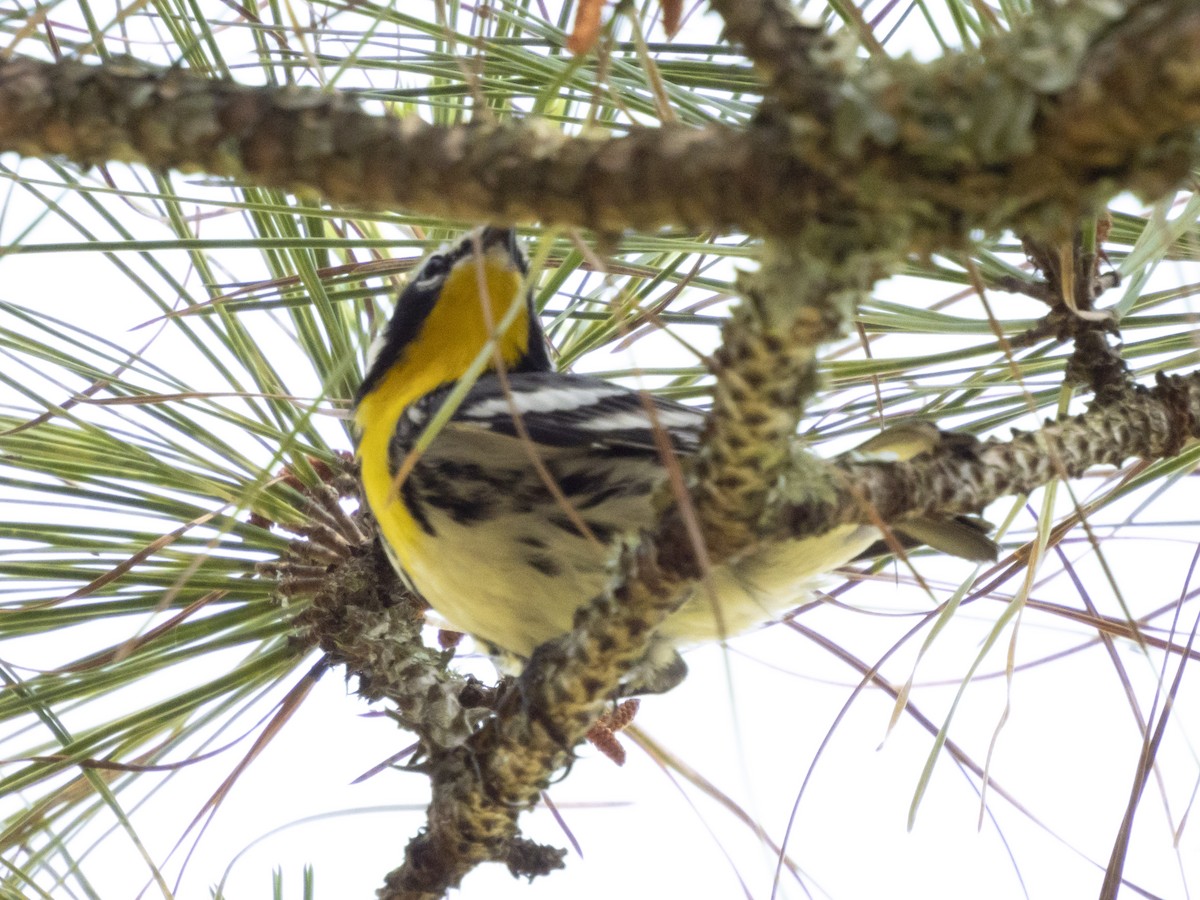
{"x": 506, "y": 522}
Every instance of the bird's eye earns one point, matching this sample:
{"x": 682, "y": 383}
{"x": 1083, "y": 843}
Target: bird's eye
{"x": 435, "y": 267}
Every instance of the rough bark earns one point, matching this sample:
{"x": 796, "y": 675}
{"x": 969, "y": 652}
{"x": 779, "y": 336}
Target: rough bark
{"x": 1041, "y": 126}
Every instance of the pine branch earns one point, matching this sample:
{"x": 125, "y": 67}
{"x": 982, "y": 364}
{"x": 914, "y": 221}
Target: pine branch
{"x": 765, "y": 371}
{"x": 782, "y": 49}
{"x": 764, "y": 375}
{"x": 1145, "y": 423}
{"x": 479, "y": 790}
{"x": 852, "y": 163}
{"x": 1091, "y": 98}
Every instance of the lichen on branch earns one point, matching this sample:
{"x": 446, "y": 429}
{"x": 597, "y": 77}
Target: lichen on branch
{"x": 1041, "y": 127}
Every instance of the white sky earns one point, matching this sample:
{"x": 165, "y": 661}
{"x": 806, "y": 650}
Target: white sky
{"x": 749, "y": 719}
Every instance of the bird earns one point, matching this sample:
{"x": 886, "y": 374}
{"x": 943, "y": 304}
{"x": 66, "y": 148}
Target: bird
{"x": 502, "y": 501}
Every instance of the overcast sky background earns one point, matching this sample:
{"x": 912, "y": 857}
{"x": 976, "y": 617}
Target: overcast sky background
{"x": 750, "y": 719}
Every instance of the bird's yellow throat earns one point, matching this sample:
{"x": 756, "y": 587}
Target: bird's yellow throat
{"x": 476, "y": 296}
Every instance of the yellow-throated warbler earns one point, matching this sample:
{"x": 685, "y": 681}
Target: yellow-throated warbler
{"x": 505, "y": 523}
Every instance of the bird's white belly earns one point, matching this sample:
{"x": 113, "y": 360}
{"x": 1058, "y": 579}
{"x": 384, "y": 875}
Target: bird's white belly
{"x": 479, "y": 577}
{"x": 487, "y": 580}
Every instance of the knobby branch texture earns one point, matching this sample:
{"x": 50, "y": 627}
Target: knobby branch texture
{"x": 849, "y": 165}
{"x": 1146, "y": 423}
{"x": 782, "y": 49}
{"x": 480, "y": 788}
{"x": 830, "y": 242}
{"x": 765, "y": 370}
{"x": 1046, "y": 123}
